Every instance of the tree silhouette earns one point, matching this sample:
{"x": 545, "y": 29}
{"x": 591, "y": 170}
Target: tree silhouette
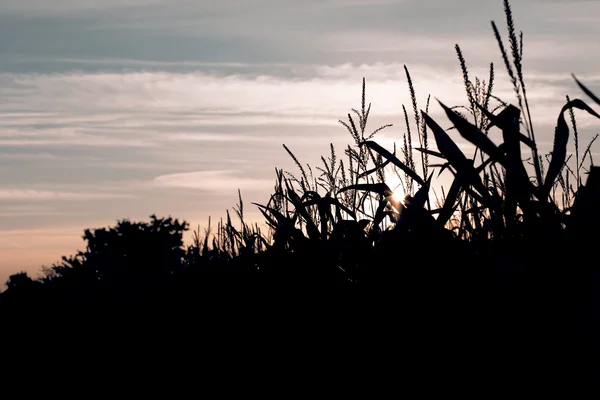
{"x": 127, "y": 262}
{"x": 20, "y": 281}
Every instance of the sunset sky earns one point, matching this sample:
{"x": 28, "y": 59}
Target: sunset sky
{"x": 113, "y": 109}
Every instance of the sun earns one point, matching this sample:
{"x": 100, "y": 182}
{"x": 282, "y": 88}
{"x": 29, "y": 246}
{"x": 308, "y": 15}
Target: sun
{"x": 395, "y": 184}
{"x": 398, "y": 194}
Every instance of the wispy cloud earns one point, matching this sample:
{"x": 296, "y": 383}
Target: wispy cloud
{"x": 213, "y": 181}
{"x": 27, "y": 210}
{"x": 43, "y": 195}
{"x": 128, "y": 62}
{"x": 68, "y": 6}
{"x": 88, "y": 107}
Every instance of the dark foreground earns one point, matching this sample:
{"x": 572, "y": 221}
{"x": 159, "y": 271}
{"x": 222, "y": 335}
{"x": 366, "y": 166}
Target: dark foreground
{"x": 462, "y": 322}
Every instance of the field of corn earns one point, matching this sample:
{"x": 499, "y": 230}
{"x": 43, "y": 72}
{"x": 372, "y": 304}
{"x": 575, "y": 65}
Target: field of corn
{"x": 509, "y": 247}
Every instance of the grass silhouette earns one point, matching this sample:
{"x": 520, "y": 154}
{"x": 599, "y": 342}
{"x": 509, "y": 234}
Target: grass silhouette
{"x": 503, "y": 260}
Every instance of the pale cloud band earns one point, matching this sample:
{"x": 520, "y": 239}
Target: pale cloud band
{"x": 228, "y": 181}
{"x": 44, "y": 195}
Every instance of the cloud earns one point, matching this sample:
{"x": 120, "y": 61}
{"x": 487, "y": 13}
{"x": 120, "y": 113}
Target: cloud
{"x": 27, "y": 210}
{"x": 69, "y": 6}
{"x": 28, "y": 156}
{"x": 73, "y": 106}
{"x": 44, "y": 195}
{"x": 212, "y": 137}
{"x": 80, "y": 140}
{"x": 140, "y": 123}
{"x": 76, "y": 128}
{"x": 227, "y": 181}
{"x": 142, "y": 64}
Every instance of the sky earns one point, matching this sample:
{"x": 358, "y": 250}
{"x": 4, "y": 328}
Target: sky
{"x": 113, "y": 109}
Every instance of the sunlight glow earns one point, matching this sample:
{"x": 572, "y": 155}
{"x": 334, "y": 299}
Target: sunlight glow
{"x": 395, "y": 184}
{"x": 398, "y": 194}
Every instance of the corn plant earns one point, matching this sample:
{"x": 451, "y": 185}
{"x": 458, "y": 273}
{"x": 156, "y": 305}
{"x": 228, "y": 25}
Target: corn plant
{"x": 492, "y": 194}
{"x": 503, "y": 190}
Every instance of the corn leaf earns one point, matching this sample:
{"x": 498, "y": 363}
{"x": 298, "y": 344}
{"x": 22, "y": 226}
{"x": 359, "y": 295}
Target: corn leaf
{"x": 456, "y": 158}
{"x": 284, "y": 225}
{"x": 311, "y": 227}
{"x": 586, "y": 90}
{"x": 471, "y": 133}
{"x": 502, "y": 121}
{"x": 389, "y": 156}
{"x": 329, "y": 201}
{"x": 422, "y": 194}
{"x": 561, "y": 139}
{"x": 380, "y": 188}
{"x": 451, "y": 198}
{"x": 430, "y": 152}
{"x": 373, "y": 170}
